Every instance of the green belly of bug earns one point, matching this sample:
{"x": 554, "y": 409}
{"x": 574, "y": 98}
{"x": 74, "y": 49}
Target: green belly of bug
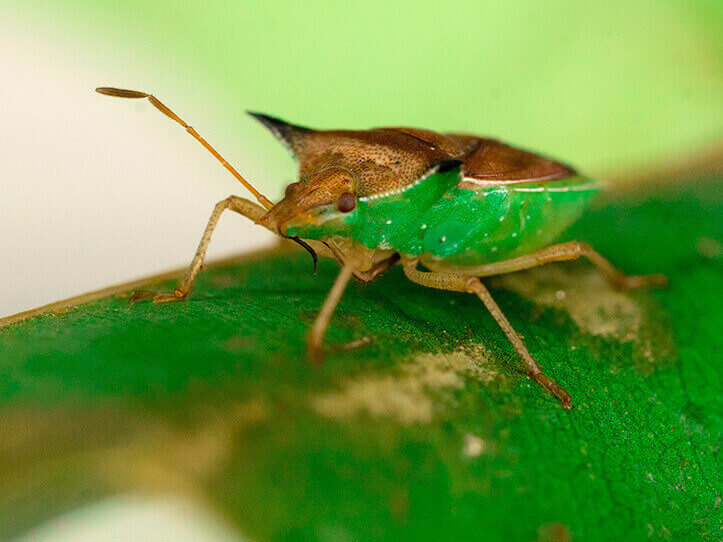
{"x": 475, "y": 227}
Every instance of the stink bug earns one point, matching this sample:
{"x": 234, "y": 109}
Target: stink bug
{"x": 462, "y": 207}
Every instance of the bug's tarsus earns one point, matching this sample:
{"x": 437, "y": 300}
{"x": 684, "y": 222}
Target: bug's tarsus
{"x": 125, "y": 93}
{"x": 555, "y": 389}
{"x": 351, "y": 345}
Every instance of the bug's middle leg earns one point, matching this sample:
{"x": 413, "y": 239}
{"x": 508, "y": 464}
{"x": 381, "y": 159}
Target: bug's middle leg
{"x": 462, "y": 283}
{"x": 242, "y": 206}
{"x": 315, "y": 337}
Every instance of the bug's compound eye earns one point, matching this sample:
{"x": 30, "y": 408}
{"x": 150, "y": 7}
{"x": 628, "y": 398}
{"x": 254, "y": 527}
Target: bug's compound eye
{"x": 346, "y": 202}
{"x": 291, "y": 188}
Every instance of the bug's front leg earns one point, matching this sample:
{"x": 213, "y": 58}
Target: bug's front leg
{"x": 472, "y": 285}
{"x": 242, "y": 206}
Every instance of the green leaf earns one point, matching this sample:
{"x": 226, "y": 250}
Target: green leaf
{"x": 430, "y": 431}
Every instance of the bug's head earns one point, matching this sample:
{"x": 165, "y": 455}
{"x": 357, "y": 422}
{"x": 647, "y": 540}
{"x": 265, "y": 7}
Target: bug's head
{"x": 322, "y": 205}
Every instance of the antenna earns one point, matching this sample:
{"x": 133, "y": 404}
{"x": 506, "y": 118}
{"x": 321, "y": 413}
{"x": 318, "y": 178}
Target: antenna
{"x": 123, "y": 93}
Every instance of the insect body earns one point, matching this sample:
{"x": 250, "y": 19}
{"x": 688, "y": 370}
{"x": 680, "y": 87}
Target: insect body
{"x": 460, "y": 206}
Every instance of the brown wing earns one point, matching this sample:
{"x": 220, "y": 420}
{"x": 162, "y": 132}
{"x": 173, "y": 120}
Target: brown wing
{"x": 491, "y": 160}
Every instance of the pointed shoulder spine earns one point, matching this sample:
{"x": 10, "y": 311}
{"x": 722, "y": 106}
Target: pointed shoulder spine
{"x": 287, "y": 133}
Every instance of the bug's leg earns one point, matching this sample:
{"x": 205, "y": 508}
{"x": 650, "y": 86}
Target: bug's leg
{"x": 461, "y": 283}
{"x": 316, "y": 333}
{"x": 569, "y": 251}
{"x": 241, "y": 206}
{"x": 615, "y": 277}
{"x": 378, "y": 269}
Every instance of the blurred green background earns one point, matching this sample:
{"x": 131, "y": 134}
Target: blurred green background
{"x": 599, "y": 83}
{"x": 97, "y": 192}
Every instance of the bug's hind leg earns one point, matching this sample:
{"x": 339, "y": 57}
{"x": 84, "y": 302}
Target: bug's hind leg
{"x": 461, "y": 283}
{"x": 239, "y": 205}
{"x": 569, "y": 251}
{"x": 615, "y": 277}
